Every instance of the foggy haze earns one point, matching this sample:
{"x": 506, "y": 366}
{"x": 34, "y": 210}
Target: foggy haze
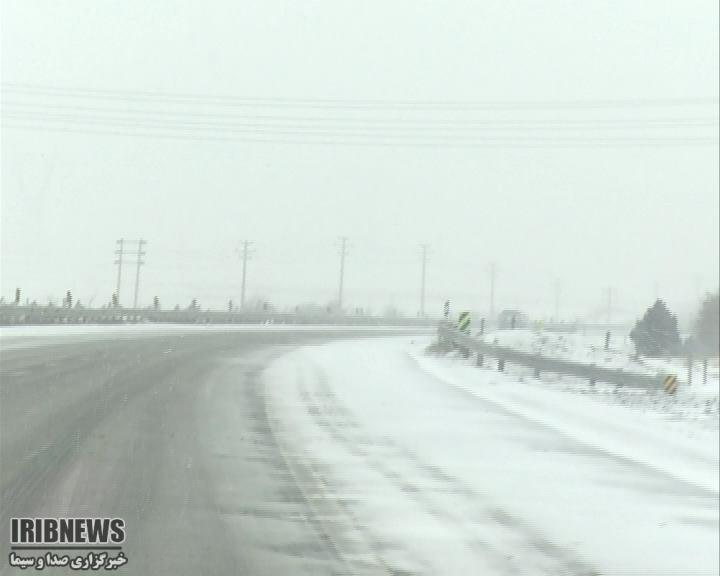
{"x": 586, "y": 194}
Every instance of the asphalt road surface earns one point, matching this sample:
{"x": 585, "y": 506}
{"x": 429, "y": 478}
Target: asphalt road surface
{"x": 251, "y": 453}
{"x": 169, "y": 432}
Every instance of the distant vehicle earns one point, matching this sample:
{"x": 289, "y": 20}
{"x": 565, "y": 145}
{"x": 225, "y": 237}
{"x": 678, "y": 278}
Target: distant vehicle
{"x": 511, "y": 319}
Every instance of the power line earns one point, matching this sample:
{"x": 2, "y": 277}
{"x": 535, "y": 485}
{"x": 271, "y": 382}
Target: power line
{"x": 405, "y": 123}
{"x": 127, "y": 114}
{"x": 21, "y": 110}
{"x": 467, "y": 132}
{"x": 128, "y": 95}
{"x": 373, "y": 140}
{"x": 455, "y": 132}
{"x": 353, "y": 126}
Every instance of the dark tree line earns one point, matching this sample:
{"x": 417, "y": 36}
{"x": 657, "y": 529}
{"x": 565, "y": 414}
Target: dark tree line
{"x": 706, "y": 330}
{"x": 656, "y": 333}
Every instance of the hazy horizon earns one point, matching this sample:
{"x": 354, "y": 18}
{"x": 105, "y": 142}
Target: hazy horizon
{"x": 582, "y": 155}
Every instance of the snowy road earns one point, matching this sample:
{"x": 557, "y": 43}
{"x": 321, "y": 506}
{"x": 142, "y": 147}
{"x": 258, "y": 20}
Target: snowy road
{"x": 329, "y": 452}
{"x": 421, "y": 466}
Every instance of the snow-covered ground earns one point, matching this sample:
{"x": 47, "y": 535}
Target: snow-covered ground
{"x": 418, "y": 464}
{"x": 588, "y": 347}
{"x": 425, "y": 465}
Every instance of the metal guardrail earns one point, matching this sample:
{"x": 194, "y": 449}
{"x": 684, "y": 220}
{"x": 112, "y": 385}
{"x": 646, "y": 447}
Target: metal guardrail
{"x": 23, "y": 315}
{"x": 540, "y": 363}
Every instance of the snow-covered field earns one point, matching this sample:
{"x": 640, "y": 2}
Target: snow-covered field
{"x": 427, "y": 465}
{"x": 588, "y": 348}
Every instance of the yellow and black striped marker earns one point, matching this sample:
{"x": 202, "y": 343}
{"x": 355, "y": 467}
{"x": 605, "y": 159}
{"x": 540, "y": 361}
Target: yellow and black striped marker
{"x": 464, "y": 321}
{"x": 670, "y": 383}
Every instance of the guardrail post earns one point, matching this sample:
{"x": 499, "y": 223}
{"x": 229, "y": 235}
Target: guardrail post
{"x": 690, "y": 369}
{"x": 591, "y": 373}
{"x": 704, "y": 371}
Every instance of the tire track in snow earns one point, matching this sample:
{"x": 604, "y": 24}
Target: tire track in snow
{"x": 342, "y": 426}
{"x": 332, "y": 518}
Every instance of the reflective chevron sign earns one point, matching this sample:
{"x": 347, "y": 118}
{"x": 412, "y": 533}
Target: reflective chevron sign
{"x": 670, "y": 383}
{"x": 464, "y": 321}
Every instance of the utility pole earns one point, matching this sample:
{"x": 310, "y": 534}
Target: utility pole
{"x": 493, "y": 271}
{"x": 139, "y": 263}
{"x": 245, "y": 255}
{"x": 343, "y": 252}
{"x": 119, "y": 262}
{"x": 424, "y": 248}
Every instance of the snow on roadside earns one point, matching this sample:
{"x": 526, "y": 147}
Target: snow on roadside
{"x": 588, "y": 348}
{"x": 649, "y": 427}
{"x": 440, "y": 467}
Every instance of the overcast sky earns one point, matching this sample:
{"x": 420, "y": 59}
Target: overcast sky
{"x": 572, "y": 143}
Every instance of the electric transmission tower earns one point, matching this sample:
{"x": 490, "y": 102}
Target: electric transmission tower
{"x": 245, "y": 252}
{"x": 119, "y": 262}
{"x": 121, "y": 252}
{"x": 139, "y": 262}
